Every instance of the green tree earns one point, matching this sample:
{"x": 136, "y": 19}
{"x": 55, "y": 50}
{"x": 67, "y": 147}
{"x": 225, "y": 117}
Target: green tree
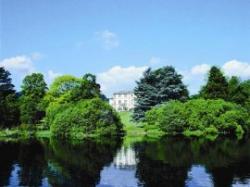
{"x": 87, "y": 118}
{"x": 31, "y": 101}
{"x": 246, "y": 90}
{"x": 68, "y": 88}
{"x": 88, "y": 88}
{"x": 217, "y": 85}
{"x": 9, "y": 113}
{"x": 238, "y": 91}
{"x": 156, "y": 87}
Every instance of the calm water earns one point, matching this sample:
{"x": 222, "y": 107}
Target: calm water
{"x": 166, "y": 162}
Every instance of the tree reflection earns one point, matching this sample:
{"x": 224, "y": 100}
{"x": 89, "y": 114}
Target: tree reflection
{"x": 80, "y": 164}
{"x": 8, "y": 155}
{"x": 32, "y": 163}
{"x": 162, "y": 163}
{"x": 227, "y": 161}
{"x": 167, "y": 162}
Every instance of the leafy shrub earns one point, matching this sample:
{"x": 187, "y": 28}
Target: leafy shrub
{"x": 199, "y": 115}
{"x": 173, "y": 117}
{"x": 87, "y": 118}
{"x": 52, "y": 110}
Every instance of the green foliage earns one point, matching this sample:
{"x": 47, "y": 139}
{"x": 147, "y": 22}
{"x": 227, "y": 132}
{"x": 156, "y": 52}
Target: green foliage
{"x": 245, "y": 87}
{"x": 67, "y": 88}
{"x": 63, "y": 84}
{"x": 156, "y": 87}
{"x": 9, "y": 113}
{"x": 217, "y": 85}
{"x": 170, "y": 113}
{"x": 6, "y": 87}
{"x": 31, "y": 101}
{"x": 87, "y": 118}
{"x": 199, "y": 116}
{"x": 239, "y": 92}
{"x": 52, "y": 110}
{"x": 76, "y": 111}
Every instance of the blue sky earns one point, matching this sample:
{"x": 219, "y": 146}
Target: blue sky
{"x": 117, "y": 40}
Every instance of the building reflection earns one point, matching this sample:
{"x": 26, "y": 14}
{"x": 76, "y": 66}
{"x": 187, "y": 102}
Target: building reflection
{"x": 125, "y": 158}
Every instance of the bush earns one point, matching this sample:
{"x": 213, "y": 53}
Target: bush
{"x": 87, "y": 118}
{"x": 199, "y": 115}
{"x": 173, "y": 117}
{"x": 53, "y": 109}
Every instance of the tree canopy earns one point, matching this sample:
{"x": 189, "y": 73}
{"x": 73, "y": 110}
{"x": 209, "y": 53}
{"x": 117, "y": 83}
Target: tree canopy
{"x": 68, "y": 88}
{"x": 156, "y": 87}
{"x": 86, "y": 118}
{"x": 77, "y": 110}
{"x": 9, "y": 113}
{"x": 6, "y": 87}
{"x": 217, "y": 85}
{"x": 31, "y": 100}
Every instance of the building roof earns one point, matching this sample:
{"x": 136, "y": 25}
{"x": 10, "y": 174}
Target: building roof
{"x": 123, "y": 92}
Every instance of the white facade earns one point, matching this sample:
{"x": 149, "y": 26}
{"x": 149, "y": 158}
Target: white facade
{"x": 123, "y": 101}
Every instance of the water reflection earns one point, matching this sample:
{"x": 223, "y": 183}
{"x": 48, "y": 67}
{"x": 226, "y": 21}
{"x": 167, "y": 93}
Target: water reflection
{"x": 22, "y": 164}
{"x": 122, "y": 171}
{"x": 81, "y": 164}
{"x": 166, "y": 162}
{"x": 125, "y": 158}
{"x": 198, "y": 177}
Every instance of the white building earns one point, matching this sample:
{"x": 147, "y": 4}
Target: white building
{"x": 123, "y": 101}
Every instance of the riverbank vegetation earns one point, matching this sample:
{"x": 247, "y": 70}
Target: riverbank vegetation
{"x": 220, "y": 108}
{"x": 71, "y": 108}
{"x": 200, "y": 117}
{"x": 75, "y": 108}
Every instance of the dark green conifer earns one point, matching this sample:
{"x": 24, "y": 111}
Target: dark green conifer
{"x": 156, "y": 87}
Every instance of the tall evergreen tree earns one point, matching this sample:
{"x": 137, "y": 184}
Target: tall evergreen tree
{"x": 156, "y": 87}
{"x": 6, "y": 87}
{"x": 9, "y": 113}
{"x": 217, "y": 85}
{"x": 33, "y": 91}
{"x": 245, "y": 92}
{"x": 237, "y": 92}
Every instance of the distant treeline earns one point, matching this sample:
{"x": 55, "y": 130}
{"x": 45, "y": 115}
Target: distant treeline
{"x": 75, "y": 107}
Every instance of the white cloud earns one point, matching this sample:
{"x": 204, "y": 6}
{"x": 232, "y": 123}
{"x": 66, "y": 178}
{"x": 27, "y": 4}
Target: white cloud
{"x": 195, "y": 77}
{"x": 154, "y": 60}
{"x": 51, "y": 75}
{"x": 237, "y": 68}
{"x": 119, "y": 78}
{"x": 20, "y": 64}
{"x": 109, "y": 39}
{"x": 201, "y": 69}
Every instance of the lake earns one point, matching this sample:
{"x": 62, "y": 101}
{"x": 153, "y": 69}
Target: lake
{"x": 166, "y": 162}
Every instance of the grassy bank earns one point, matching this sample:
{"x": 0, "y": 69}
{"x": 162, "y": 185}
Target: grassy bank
{"x": 138, "y": 130}
{"x": 134, "y": 131}
{"x": 17, "y": 133}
